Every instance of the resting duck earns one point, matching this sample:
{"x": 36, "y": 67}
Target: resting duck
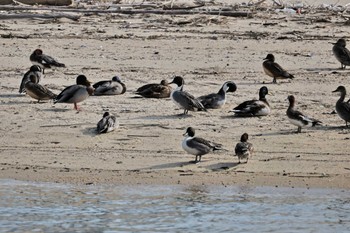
{"x": 110, "y": 87}
{"x": 198, "y": 146}
{"x": 341, "y": 53}
{"x": 217, "y": 100}
{"x": 274, "y": 70}
{"x": 44, "y": 61}
{"x": 36, "y": 91}
{"x": 34, "y": 70}
{"x": 254, "y": 107}
{"x": 107, "y": 124}
{"x": 343, "y": 108}
{"x": 297, "y": 118}
{"x": 76, "y": 93}
{"x": 155, "y": 90}
{"x": 184, "y": 99}
{"x": 244, "y": 149}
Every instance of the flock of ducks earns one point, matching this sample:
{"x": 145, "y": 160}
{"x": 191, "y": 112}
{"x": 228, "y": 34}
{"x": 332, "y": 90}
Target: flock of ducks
{"x": 197, "y": 146}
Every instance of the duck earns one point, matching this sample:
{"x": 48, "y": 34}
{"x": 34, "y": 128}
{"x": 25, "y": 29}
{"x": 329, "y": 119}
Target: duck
{"x": 155, "y": 90}
{"x": 37, "y": 91}
{"x": 343, "y": 108}
{"x": 198, "y": 146}
{"x": 184, "y": 99}
{"x": 244, "y": 149}
{"x": 107, "y": 124}
{"x": 274, "y": 70}
{"x": 251, "y": 108}
{"x": 33, "y": 70}
{"x": 217, "y": 100}
{"x": 341, "y": 53}
{"x": 75, "y": 93}
{"x": 299, "y": 119}
{"x": 110, "y": 87}
{"x": 43, "y": 60}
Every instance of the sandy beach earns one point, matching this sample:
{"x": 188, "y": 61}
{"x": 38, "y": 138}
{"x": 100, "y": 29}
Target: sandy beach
{"x": 54, "y": 143}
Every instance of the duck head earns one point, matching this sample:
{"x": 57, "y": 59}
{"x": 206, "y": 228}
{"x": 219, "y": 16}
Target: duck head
{"x": 38, "y": 52}
{"x": 291, "y": 100}
{"x": 340, "y": 89}
{"x": 106, "y": 114}
{"x": 116, "y": 79}
{"x": 341, "y": 42}
{"x": 263, "y": 92}
{"x": 229, "y": 86}
{"x": 244, "y": 137}
{"x": 178, "y": 80}
{"x": 189, "y": 132}
{"x": 270, "y": 57}
{"x": 82, "y": 80}
{"x": 35, "y": 68}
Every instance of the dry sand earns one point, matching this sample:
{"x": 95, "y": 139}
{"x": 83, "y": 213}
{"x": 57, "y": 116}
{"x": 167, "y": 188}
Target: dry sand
{"x": 54, "y": 143}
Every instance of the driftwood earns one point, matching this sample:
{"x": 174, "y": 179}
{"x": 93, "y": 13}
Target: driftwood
{"x": 134, "y": 11}
{"x": 38, "y": 2}
{"x": 40, "y": 16}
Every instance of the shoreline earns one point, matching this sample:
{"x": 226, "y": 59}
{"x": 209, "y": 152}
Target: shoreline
{"x": 54, "y": 143}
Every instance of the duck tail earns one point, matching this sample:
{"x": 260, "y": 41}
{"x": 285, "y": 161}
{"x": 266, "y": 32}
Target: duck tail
{"x": 316, "y": 122}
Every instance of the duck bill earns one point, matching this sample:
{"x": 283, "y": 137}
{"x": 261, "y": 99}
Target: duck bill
{"x": 335, "y": 90}
{"x": 185, "y": 134}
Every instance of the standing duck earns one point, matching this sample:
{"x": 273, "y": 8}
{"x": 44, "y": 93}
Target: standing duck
{"x": 155, "y": 90}
{"x": 198, "y": 146}
{"x": 36, "y": 91}
{"x": 75, "y": 93}
{"x": 217, "y": 100}
{"x": 110, "y": 87}
{"x": 341, "y": 53}
{"x": 244, "y": 149}
{"x": 34, "y": 70}
{"x": 107, "y": 124}
{"x": 184, "y": 99}
{"x": 274, "y": 70}
{"x": 254, "y": 107}
{"x": 44, "y": 61}
{"x": 343, "y": 108}
{"x": 297, "y": 118}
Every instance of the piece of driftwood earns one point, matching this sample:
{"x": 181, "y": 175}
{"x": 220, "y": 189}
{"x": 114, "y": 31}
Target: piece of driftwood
{"x": 40, "y": 16}
{"x": 134, "y": 11}
{"x": 38, "y": 2}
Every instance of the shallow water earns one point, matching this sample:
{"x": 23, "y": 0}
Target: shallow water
{"x": 46, "y": 207}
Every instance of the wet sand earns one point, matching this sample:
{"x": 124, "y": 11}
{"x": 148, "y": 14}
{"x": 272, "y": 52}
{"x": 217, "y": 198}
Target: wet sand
{"x": 54, "y": 143}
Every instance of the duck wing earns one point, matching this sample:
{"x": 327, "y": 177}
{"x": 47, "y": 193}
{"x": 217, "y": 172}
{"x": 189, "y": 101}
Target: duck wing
{"x": 208, "y": 101}
{"x": 39, "y": 91}
{"x": 277, "y": 70}
{"x": 51, "y": 61}
{"x": 68, "y": 93}
{"x": 187, "y": 100}
{"x": 106, "y": 123}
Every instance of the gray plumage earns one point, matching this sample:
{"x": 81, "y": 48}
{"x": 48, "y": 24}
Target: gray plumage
{"x": 75, "y": 93}
{"x": 297, "y": 118}
{"x": 34, "y": 70}
{"x": 343, "y": 108}
{"x": 198, "y": 146}
{"x": 341, "y": 53}
{"x": 107, "y": 124}
{"x": 217, "y": 100}
{"x": 110, "y": 87}
{"x": 184, "y": 99}
{"x": 274, "y": 70}
{"x": 254, "y": 107}
{"x": 244, "y": 149}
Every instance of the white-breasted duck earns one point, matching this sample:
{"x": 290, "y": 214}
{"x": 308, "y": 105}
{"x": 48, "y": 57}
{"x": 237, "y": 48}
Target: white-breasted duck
{"x": 107, "y": 124}
{"x": 244, "y": 149}
{"x": 110, "y": 87}
{"x": 274, "y": 70}
{"x": 184, "y": 99}
{"x": 43, "y": 60}
{"x": 217, "y": 100}
{"x": 254, "y": 107}
{"x": 76, "y": 93}
{"x": 37, "y": 91}
{"x": 299, "y": 119}
{"x": 343, "y": 108}
{"x": 341, "y": 53}
{"x": 198, "y": 146}
{"x": 155, "y": 90}
{"x": 34, "y": 70}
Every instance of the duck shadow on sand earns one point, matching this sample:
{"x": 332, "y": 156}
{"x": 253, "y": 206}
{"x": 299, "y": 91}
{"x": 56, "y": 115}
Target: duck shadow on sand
{"x": 166, "y": 117}
{"x": 222, "y": 166}
{"x": 171, "y": 165}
